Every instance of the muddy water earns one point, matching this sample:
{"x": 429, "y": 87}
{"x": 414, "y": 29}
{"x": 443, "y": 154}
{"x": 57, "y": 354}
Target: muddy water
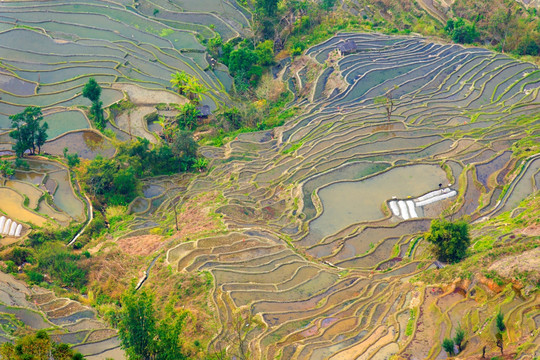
{"x": 12, "y": 205}
{"x": 346, "y": 203}
{"x": 64, "y": 197}
{"x": 523, "y": 188}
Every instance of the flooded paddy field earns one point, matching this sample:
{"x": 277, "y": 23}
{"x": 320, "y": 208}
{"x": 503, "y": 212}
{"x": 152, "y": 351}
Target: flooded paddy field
{"x": 319, "y": 256}
{"x": 49, "y": 50}
{"x": 313, "y": 249}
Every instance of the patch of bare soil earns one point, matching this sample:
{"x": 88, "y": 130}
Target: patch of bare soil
{"x": 527, "y": 262}
{"x": 141, "y": 96}
{"x": 133, "y": 122}
{"x": 140, "y": 245}
{"x": 100, "y": 335}
{"x": 531, "y": 230}
{"x": 69, "y": 309}
{"x": 335, "y": 81}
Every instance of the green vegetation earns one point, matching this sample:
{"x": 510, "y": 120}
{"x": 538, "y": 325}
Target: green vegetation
{"x": 38, "y": 346}
{"x": 143, "y": 335}
{"x": 459, "y": 337}
{"x": 461, "y": 31}
{"x": 72, "y": 159}
{"x": 6, "y": 169}
{"x": 116, "y": 181}
{"x": 62, "y": 265}
{"x": 505, "y": 24}
{"x": 189, "y": 86}
{"x": 187, "y": 117}
{"x": 499, "y": 322}
{"x": 448, "y": 346}
{"x": 44, "y": 253}
{"x": 450, "y": 239}
{"x": 92, "y": 91}
{"x": 28, "y": 133}
{"x": 410, "y": 323}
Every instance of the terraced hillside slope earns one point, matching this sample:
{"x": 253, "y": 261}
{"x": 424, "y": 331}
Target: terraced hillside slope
{"x": 51, "y": 48}
{"x": 317, "y": 261}
{"x": 67, "y": 321}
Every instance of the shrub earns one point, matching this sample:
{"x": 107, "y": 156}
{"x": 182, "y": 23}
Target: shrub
{"x": 459, "y": 337}
{"x": 499, "y": 320}
{"x": 448, "y": 346}
{"x": 63, "y": 266}
{"x": 35, "y": 277}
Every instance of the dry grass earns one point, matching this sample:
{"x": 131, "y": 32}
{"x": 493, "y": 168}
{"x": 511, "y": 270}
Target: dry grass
{"x": 270, "y": 88}
{"x": 140, "y": 245}
{"x": 196, "y": 216}
{"x": 112, "y": 271}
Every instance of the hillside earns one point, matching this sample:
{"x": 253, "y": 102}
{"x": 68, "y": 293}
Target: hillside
{"x": 298, "y": 241}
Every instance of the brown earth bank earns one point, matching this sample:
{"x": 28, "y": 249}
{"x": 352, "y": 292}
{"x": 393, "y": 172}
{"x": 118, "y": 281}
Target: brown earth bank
{"x": 528, "y": 262}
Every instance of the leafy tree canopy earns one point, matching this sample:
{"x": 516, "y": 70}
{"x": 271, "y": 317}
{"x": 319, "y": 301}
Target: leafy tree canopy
{"x": 145, "y": 337}
{"x": 450, "y": 239}
{"x": 92, "y": 90}
{"x": 28, "y": 132}
{"x": 461, "y": 31}
{"x": 6, "y": 168}
{"x": 38, "y": 346}
{"x": 187, "y": 116}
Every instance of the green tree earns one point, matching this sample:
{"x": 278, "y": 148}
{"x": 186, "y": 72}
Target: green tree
{"x": 143, "y": 336}
{"x": 461, "y": 31}
{"x": 450, "y": 239}
{"x": 72, "y": 159}
{"x": 267, "y": 7}
{"x": 179, "y": 81}
{"x": 189, "y": 86}
{"x": 169, "y": 333}
{"x": 138, "y": 325}
{"x": 196, "y": 90}
{"x": 265, "y": 53}
{"x": 499, "y": 322}
{"x": 113, "y": 180}
{"x": 187, "y": 116}
{"x": 242, "y": 60}
{"x": 38, "y": 346}
{"x": 28, "y": 132}
{"x": 231, "y": 118}
{"x": 448, "y": 346}
{"x": 459, "y": 337}
{"x": 92, "y": 91}
{"x": 528, "y": 46}
{"x": 6, "y": 169}
{"x": 184, "y": 147}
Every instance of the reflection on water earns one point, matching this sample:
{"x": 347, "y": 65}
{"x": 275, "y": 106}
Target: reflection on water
{"x": 346, "y": 203}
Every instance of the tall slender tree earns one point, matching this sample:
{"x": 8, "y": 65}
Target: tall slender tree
{"x": 92, "y": 91}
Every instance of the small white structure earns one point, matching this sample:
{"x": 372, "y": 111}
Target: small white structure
{"x": 12, "y": 228}
{"x": 406, "y": 209}
{"x": 6, "y": 227}
{"x": 18, "y": 231}
{"x": 9, "y": 227}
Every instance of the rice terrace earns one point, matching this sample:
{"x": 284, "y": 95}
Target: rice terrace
{"x": 269, "y": 179}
